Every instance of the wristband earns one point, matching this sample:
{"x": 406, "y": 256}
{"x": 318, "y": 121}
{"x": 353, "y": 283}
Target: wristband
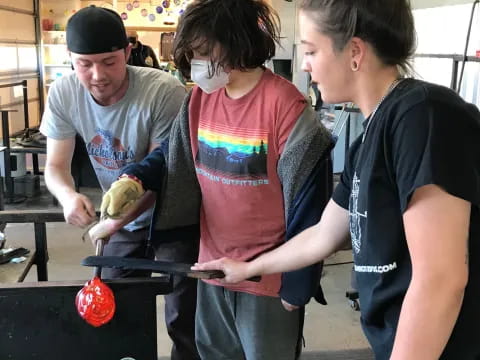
{"x": 133, "y": 177}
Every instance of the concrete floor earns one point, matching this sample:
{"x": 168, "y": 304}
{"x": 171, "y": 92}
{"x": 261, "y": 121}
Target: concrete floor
{"x": 331, "y": 332}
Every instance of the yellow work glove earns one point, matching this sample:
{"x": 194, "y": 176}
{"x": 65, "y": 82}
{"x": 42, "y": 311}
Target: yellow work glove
{"x": 122, "y": 194}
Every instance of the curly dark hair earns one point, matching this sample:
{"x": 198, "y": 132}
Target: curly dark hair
{"x": 239, "y": 34}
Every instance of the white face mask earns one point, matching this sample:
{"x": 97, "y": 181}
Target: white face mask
{"x": 200, "y": 74}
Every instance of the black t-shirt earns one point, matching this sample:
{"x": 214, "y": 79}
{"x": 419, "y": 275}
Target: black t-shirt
{"x": 421, "y": 134}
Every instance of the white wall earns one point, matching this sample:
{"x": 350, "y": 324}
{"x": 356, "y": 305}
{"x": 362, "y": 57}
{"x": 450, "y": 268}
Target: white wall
{"x": 287, "y": 13}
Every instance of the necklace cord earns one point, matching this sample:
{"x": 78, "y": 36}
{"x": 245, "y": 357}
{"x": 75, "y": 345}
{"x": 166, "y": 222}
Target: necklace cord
{"x": 392, "y": 86}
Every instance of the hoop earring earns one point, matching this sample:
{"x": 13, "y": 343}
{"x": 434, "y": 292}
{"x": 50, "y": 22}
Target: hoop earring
{"x": 354, "y": 66}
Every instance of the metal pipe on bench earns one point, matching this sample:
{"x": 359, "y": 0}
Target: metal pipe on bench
{"x": 6, "y": 156}
{"x": 25, "y": 104}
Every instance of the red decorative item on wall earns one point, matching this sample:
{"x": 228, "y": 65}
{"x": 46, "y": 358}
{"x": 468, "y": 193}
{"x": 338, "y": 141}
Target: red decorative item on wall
{"x": 95, "y": 302}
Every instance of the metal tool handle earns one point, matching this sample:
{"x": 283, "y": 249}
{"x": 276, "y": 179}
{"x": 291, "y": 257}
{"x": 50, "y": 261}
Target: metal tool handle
{"x": 97, "y": 271}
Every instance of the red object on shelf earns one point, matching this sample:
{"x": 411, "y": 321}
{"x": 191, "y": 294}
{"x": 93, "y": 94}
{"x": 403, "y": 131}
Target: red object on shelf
{"x": 47, "y": 24}
{"x": 478, "y": 53}
{"x": 95, "y": 302}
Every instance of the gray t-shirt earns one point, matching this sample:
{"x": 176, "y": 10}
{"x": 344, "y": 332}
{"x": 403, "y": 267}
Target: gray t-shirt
{"x": 118, "y": 134}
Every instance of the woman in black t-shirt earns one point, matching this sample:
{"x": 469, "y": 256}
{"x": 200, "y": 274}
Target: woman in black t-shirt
{"x": 409, "y": 197}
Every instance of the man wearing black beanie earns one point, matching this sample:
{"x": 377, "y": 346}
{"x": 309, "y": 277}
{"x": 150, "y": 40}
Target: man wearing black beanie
{"x": 122, "y": 113}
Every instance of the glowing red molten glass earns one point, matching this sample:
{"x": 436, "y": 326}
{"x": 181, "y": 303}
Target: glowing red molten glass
{"x": 95, "y": 302}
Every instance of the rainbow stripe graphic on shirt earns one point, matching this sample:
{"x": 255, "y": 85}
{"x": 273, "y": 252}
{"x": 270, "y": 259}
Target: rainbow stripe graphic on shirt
{"x": 236, "y": 153}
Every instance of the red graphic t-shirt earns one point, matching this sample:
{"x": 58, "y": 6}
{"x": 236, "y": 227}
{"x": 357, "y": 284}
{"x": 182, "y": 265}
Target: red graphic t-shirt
{"x": 236, "y": 146}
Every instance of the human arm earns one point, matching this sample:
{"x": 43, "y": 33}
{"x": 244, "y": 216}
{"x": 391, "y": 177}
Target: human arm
{"x": 149, "y": 172}
{"x": 435, "y": 168}
{"x": 438, "y": 245}
{"x": 134, "y": 181}
{"x": 310, "y": 246}
{"x": 107, "y": 227}
{"x": 305, "y": 171}
{"x": 77, "y": 208}
{"x": 299, "y": 286}
{"x": 120, "y": 208}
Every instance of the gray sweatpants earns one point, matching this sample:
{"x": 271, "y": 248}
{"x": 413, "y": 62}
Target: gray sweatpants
{"x": 239, "y": 326}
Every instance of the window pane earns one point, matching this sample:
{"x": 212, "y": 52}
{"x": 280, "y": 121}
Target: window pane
{"x": 443, "y": 30}
{"x": 470, "y": 89}
{"x": 27, "y": 57}
{"x": 438, "y": 71}
{"x": 8, "y": 54}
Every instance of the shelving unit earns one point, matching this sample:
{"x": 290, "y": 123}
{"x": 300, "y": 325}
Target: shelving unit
{"x": 55, "y": 58}
{"x": 56, "y": 61}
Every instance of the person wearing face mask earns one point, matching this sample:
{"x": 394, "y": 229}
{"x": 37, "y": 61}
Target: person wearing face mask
{"x": 248, "y": 165}
{"x": 141, "y": 54}
{"x": 200, "y": 72}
